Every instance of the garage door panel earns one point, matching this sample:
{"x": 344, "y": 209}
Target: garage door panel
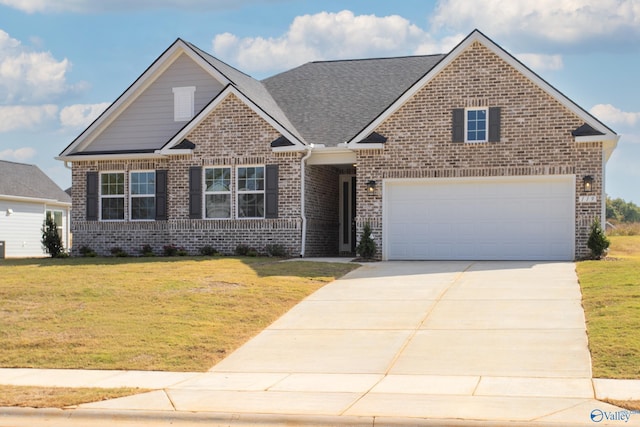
{"x": 492, "y": 218}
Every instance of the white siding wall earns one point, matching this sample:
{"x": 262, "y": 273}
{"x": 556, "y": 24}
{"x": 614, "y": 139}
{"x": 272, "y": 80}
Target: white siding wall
{"x": 21, "y": 230}
{"x": 149, "y": 121}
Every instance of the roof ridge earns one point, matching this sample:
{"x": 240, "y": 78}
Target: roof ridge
{"x": 376, "y": 58}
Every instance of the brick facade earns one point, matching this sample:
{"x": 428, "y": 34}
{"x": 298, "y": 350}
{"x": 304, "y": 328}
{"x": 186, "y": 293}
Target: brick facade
{"x": 535, "y": 140}
{"x": 232, "y": 135}
{"x": 535, "y": 137}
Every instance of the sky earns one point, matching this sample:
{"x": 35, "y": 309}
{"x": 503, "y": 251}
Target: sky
{"x": 62, "y": 62}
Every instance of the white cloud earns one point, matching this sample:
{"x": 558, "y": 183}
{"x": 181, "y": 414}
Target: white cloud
{"x": 540, "y": 62}
{"x": 558, "y": 21}
{"x": 90, "y": 6}
{"x": 27, "y": 76}
{"x": 607, "y": 113}
{"x": 19, "y": 155}
{"x": 20, "y": 117}
{"x": 81, "y": 115}
{"x": 329, "y": 36}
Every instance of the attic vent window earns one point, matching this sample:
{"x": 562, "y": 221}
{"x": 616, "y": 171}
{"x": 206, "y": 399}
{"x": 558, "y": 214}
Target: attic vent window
{"x": 183, "y": 103}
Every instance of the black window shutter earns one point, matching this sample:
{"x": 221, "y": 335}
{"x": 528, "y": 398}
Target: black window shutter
{"x": 457, "y": 128}
{"x": 271, "y": 191}
{"x": 195, "y": 192}
{"x": 92, "y": 196}
{"x": 494, "y": 124}
{"x": 161, "y": 195}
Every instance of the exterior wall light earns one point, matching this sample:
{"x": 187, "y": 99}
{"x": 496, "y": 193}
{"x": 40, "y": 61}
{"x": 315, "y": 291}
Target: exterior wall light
{"x": 371, "y": 186}
{"x": 587, "y": 182}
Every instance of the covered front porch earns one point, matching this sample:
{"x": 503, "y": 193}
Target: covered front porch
{"x": 330, "y": 204}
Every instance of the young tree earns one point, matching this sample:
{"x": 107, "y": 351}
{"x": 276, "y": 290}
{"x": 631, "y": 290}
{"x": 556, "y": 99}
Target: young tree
{"x": 51, "y": 239}
{"x": 598, "y": 242}
{"x": 367, "y": 247}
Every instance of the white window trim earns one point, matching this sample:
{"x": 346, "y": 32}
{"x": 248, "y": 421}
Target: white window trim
{"x": 183, "y": 103}
{"x": 205, "y": 193}
{"x": 486, "y": 133}
{"x": 131, "y": 195}
{"x": 111, "y": 196}
{"x": 238, "y": 192}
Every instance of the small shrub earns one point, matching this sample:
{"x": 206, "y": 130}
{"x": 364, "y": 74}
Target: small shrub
{"x": 367, "y": 247}
{"x": 276, "y": 250}
{"x": 118, "y": 252}
{"x": 147, "y": 251}
{"x": 170, "y": 250}
{"x": 208, "y": 250}
{"x": 86, "y": 251}
{"x": 242, "y": 250}
{"x": 51, "y": 239}
{"x": 598, "y": 242}
{"x": 182, "y": 252}
{"x": 252, "y": 252}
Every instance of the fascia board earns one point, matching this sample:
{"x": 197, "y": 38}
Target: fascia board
{"x": 213, "y": 104}
{"x": 367, "y": 146}
{"x": 145, "y": 80}
{"x": 34, "y": 200}
{"x": 111, "y": 156}
{"x": 477, "y": 36}
{"x": 288, "y": 149}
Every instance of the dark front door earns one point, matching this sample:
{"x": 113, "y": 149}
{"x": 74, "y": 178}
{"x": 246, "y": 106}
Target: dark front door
{"x": 347, "y": 213}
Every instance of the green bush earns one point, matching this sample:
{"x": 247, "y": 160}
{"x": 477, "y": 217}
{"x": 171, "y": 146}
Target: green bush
{"x": 51, "y": 239}
{"x": 243, "y": 250}
{"x": 170, "y": 250}
{"x": 86, "y": 251}
{"x": 598, "y": 242}
{"x": 147, "y": 251}
{"x": 118, "y": 252}
{"x": 367, "y": 247}
{"x": 208, "y": 250}
{"x": 276, "y": 250}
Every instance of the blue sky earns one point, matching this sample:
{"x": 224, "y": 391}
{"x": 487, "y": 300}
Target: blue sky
{"x": 62, "y": 62}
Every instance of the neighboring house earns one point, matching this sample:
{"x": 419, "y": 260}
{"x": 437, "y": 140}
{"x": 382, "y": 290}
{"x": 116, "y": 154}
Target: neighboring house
{"x": 468, "y": 155}
{"x": 27, "y": 197}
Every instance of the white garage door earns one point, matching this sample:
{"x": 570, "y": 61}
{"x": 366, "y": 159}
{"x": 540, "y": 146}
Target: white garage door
{"x": 506, "y": 218}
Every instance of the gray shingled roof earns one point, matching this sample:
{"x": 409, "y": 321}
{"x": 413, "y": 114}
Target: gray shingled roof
{"x": 22, "y": 180}
{"x": 329, "y": 102}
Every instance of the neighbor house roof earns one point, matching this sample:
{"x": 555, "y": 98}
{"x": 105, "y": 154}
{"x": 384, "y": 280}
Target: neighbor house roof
{"x": 19, "y": 180}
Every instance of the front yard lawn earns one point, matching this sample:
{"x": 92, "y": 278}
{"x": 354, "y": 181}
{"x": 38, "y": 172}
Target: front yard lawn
{"x": 611, "y": 300}
{"x": 167, "y": 314}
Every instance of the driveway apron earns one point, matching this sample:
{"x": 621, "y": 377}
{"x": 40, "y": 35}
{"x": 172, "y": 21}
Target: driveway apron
{"x": 458, "y": 339}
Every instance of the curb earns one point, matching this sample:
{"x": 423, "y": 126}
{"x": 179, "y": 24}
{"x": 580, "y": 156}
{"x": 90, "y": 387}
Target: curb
{"x": 27, "y": 417}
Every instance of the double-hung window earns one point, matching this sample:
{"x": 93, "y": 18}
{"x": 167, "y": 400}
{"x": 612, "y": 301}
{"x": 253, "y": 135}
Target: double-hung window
{"x": 476, "y": 125}
{"x": 250, "y": 192}
{"x": 143, "y": 195}
{"x": 217, "y": 192}
{"x": 112, "y": 196}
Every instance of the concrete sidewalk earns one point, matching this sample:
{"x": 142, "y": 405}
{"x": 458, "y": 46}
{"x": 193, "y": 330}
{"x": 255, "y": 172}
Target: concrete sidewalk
{"x": 395, "y": 343}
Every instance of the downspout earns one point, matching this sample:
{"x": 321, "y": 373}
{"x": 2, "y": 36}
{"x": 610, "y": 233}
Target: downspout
{"x": 303, "y": 215}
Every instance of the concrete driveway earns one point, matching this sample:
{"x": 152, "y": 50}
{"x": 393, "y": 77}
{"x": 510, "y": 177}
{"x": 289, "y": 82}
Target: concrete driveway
{"x": 491, "y": 341}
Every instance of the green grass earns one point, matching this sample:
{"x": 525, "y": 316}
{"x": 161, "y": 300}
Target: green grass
{"x": 611, "y": 300}
{"x": 167, "y": 314}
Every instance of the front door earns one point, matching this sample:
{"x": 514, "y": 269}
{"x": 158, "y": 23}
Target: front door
{"x": 347, "y": 213}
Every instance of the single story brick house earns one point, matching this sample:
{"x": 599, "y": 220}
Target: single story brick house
{"x": 465, "y": 155}
{"x": 27, "y": 197}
